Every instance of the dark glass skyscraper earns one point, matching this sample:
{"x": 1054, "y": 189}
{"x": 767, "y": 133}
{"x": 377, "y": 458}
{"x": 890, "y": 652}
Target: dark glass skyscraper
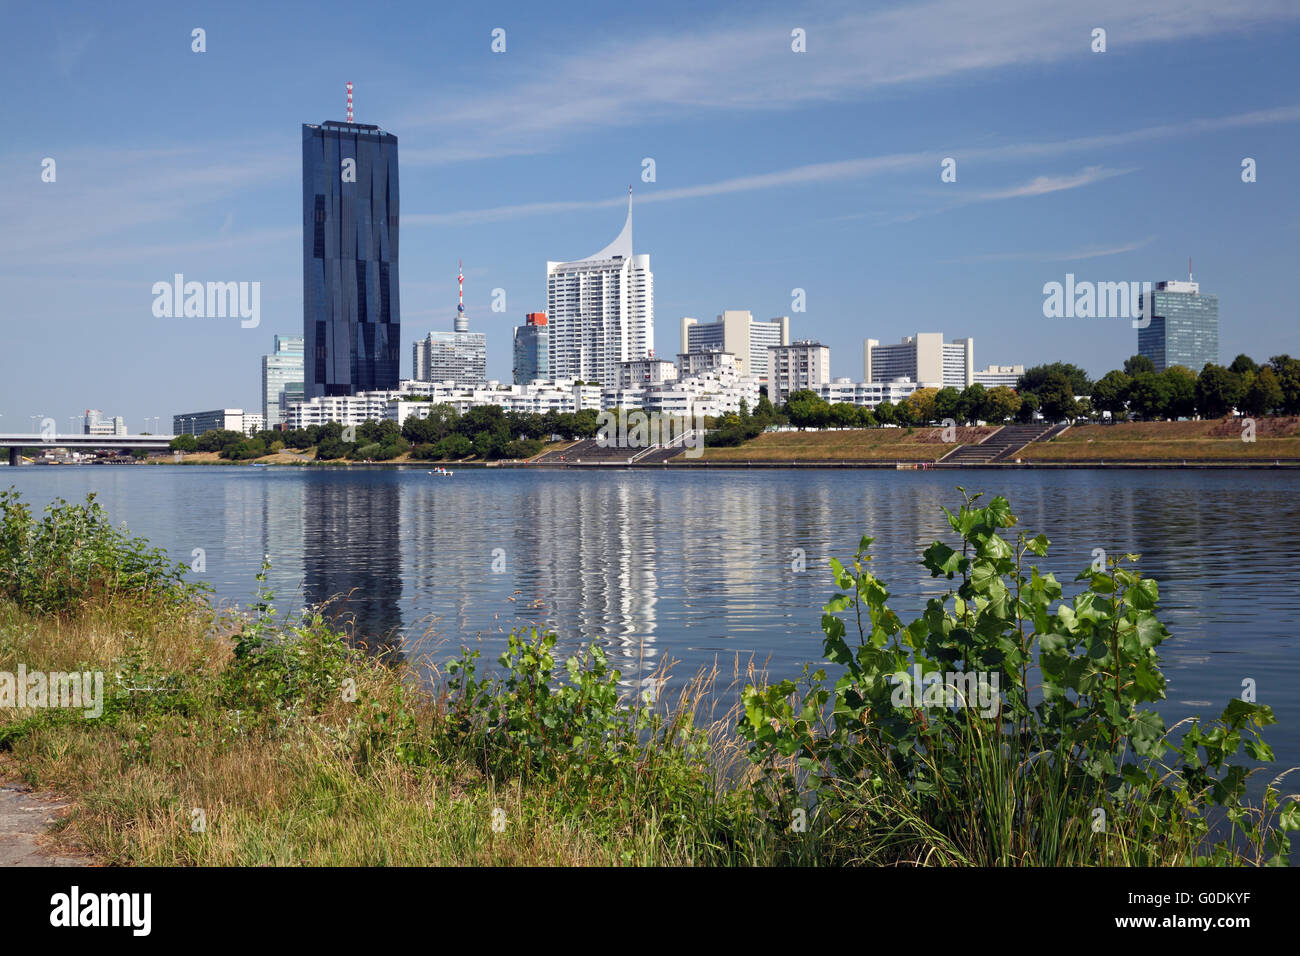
{"x": 351, "y": 318}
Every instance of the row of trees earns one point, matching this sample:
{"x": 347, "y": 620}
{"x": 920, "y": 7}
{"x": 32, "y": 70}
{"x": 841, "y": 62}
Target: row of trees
{"x": 486, "y": 432}
{"x": 1052, "y": 389}
{"x": 806, "y": 409}
{"x": 1138, "y": 391}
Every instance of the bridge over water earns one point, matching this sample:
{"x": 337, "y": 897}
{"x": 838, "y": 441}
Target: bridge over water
{"x": 17, "y": 441}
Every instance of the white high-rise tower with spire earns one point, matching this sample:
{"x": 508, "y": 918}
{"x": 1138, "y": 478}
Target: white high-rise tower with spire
{"x": 601, "y": 310}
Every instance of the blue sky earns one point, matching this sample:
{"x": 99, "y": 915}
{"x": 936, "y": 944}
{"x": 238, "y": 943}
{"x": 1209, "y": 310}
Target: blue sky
{"x": 775, "y": 170}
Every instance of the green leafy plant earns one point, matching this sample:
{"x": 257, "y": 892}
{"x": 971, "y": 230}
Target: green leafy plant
{"x": 73, "y": 555}
{"x": 1069, "y": 766}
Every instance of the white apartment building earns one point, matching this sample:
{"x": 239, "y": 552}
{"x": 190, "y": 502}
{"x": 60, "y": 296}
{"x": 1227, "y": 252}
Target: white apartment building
{"x": 735, "y": 331}
{"x": 646, "y": 372}
{"x": 538, "y": 397}
{"x": 923, "y": 357}
{"x": 253, "y": 423}
{"x": 803, "y": 364}
{"x": 715, "y": 392}
{"x": 869, "y": 394}
{"x": 693, "y": 363}
{"x": 995, "y": 375}
{"x": 600, "y": 311}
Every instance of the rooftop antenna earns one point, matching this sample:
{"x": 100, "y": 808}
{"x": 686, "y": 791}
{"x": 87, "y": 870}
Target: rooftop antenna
{"x": 349, "y": 101}
{"x": 1189, "y": 268}
{"x": 462, "y": 323}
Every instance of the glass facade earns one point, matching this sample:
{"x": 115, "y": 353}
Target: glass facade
{"x": 282, "y": 378}
{"x": 1184, "y": 328}
{"x": 351, "y": 316}
{"x": 531, "y": 360}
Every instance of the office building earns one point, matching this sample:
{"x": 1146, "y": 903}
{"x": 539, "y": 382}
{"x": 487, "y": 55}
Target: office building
{"x": 800, "y": 365}
{"x": 253, "y": 423}
{"x": 531, "y": 349}
{"x": 95, "y": 423}
{"x": 600, "y": 311}
{"x": 282, "y": 378}
{"x": 735, "y": 331}
{"x": 1183, "y": 328}
{"x": 351, "y": 314}
{"x": 923, "y": 358}
{"x": 995, "y": 375}
{"x": 457, "y": 357}
{"x": 196, "y": 423}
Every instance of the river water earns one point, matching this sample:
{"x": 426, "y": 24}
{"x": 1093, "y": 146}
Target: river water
{"x": 702, "y": 566}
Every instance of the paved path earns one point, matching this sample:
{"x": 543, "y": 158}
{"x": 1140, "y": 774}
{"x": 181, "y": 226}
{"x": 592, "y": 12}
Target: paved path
{"x": 24, "y": 818}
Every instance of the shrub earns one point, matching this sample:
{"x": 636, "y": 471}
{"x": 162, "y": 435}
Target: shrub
{"x": 898, "y": 777}
{"x": 74, "y": 554}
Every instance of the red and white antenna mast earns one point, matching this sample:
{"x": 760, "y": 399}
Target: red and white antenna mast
{"x": 462, "y": 321}
{"x": 349, "y": 101}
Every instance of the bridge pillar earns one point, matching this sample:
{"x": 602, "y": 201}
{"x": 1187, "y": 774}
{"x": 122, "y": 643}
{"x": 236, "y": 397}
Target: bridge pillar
{"x": 15, "y": 457}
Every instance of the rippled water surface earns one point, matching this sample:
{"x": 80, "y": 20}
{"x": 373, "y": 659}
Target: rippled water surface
{"x": 697, "y": 566}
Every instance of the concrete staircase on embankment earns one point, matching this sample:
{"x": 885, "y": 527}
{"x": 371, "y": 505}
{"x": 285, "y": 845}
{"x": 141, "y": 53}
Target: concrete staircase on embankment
{"x": 1002, "y": 445}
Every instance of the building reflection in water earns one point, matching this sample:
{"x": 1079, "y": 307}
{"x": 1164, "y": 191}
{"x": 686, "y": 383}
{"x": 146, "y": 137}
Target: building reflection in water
{"x": 352, "y": 555}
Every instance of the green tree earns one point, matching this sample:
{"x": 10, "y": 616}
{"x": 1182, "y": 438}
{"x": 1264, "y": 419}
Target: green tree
{"x": 1035, "y": 378}
{"x": 1110, "y": 393}
{"x": 1148, "y": 396}
{"x": 185, "y": 443}
{"x": 948, "y": 404}
{"x": 1243, "y": 364}
{"x": 922, "y": 404}
{"x": 440, "y": 423}
{"x": 974, "y": 404}
{"x": 1218, "y": 391}
{"x": 866, "y": 417}
{"x": 886, "y": 413}
{"x": 843, "y": 415}
{"x": 454, "y": 447}
{"x": 1056, "y": 397}
{"x": 1136, "y": 364}
{"x": 1287, "y": 371}
{"x": 1182, "y": 391}
{"x": 807, "y": 409}
{"x": 1264, "y": 394}
{"x": 1028, "y": 406}
{"x": 997, "y": 404}
{"x": 214, "y": 439}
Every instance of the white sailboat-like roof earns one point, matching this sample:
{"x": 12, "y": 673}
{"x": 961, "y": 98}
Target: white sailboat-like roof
{"x": 620, "y": 247}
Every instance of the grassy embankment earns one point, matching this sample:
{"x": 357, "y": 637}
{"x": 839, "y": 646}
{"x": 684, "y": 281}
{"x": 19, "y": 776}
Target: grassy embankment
{"x": 307, "y": 456}
{"x": 1217, "y": 440}
{"x": 1201, "y": 441}
{"x": 260, "y": 738}
{"x": 856, "y": 444}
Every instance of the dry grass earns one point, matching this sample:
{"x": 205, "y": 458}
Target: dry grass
{"x": 1215, "y": 440}
{"x": 858, "y": 444}
{"x": 288, "y": 789}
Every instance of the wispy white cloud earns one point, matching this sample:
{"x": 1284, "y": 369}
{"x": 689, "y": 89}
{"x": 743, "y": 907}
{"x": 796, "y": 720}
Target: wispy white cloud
{"x": 1042, "y": 185}
{"x": 863, "y": 167}
{"x": 723, "y": 66}
{"x": 1088, "y": 252}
